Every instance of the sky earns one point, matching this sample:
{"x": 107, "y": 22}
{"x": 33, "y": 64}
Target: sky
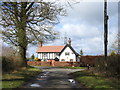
{"x": 84, "y": 25}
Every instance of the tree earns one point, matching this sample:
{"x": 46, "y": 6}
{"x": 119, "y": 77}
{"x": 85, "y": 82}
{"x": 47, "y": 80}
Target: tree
{"x": 81, "y": 52}
{"x": 116, "y": 44}
{"x": 7, "y": 51}
{"x": 29, "y": 23}
{"x": 105, "y": 28}
{"x": 112, "y": 53}
{"x": 32, "y": 57}
{"x": 36, "y": 59}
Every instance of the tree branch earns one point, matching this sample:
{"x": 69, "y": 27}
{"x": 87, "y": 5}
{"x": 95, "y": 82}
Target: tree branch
{"x": 29, "y": 7}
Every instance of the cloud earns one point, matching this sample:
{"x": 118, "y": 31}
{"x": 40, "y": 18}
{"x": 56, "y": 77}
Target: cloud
{"x": 79, "y": 30}
{"x": 84, "y": 37}
{"x": 84, "y": 25}
{"x": 90, "y": 13}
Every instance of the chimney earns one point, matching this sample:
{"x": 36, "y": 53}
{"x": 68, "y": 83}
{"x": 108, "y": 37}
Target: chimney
{"x": 69, "y": 41}
{"x": 41, "y": 43}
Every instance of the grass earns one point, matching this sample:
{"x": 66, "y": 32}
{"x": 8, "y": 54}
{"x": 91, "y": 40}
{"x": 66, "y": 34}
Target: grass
{"x": 90, "y": 80}
{"x": 74, "y": 67}
{"x": 63, "y": 67}
{"x": 67, "y": 67}
{"x": 18, "y": 78}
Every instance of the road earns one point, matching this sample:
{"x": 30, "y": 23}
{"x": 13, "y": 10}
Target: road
{"x": 53, "y": 78}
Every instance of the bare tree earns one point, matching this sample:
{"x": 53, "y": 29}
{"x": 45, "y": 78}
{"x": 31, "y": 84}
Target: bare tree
{"x": 29, "y": 22}
{"x": 7, "y": 51}
{"x": 116, "y": 44}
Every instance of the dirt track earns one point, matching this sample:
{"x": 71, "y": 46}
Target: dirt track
{"x": 53, "y": 78}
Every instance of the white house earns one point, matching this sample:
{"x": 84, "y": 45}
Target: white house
{"x": 58, "y": 53}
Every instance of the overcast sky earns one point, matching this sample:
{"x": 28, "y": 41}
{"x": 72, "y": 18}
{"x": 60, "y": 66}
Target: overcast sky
{"x": 84, "y": 25}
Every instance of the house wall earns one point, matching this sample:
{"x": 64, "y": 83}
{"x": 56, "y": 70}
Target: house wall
{"x": 78, "y": 59}
{"x": 71, "y": 55}
{"x": 48, "y": 55}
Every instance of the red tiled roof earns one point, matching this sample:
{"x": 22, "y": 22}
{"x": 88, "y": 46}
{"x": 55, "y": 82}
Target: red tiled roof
{"x": 50, "y": 49}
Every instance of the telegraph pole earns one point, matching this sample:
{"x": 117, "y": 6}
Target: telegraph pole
{"x": 105, "y": 28}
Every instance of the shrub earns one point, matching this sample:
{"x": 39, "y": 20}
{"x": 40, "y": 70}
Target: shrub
{"x": 10, "y": 63}
{"x": 112, "y": 53}
{"x": 36, "y": 59}
{"x": 109, "y": 65}
{"x": 10, "y": 60}
{"x": 6, "y": 64}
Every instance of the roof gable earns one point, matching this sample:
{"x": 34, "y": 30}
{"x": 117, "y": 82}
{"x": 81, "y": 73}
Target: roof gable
{"x": 50, "y": 49}
{"x": 70, "y": 48}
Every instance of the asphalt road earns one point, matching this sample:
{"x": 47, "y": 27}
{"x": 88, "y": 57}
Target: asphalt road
{"x": 53, "y": 78}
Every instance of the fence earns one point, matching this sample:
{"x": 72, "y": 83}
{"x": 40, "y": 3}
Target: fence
{"x": 55, "y": 63}
{"x": 91, "y": 60}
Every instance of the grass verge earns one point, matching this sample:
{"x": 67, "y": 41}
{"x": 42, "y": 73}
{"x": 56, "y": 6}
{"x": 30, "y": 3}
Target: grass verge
{"x": 91, "y": 80}
{"x": 64, "y": 67}
{"x": 74, "y": 67}
{"x": 18, "y": 78}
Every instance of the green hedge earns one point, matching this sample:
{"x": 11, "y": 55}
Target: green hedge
{"x": 10, "y": 63}
{"x": 109, "y": 65}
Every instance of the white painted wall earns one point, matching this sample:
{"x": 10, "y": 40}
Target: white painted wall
{"x": 68, "y": 57}
{"x": 50, "y": 55}
{"x": 78, "y": 59}
{"x": 39, "y": 55}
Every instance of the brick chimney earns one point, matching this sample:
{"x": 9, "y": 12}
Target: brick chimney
{"x": 41, "y": 43}
{"x": 69, "y": 41}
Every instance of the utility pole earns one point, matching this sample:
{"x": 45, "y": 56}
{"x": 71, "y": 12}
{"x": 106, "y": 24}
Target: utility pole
{"x": 105, "y": 28}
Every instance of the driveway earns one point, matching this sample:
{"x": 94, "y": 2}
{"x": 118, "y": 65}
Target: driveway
{"x": 53, "y": 77}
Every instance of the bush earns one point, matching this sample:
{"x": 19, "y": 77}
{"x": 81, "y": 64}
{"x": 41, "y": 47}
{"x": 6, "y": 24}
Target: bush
{"x": 109, "y": 65}
{"x": 6, "y": 64}
{"x": 10, "y": 60}
{"x": 36, "y": 59}
{"x": 10, "y": 63}
{"x": 112, "y": 53}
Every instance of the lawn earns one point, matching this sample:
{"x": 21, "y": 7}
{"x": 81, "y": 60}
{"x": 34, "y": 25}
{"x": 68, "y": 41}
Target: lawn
{"x": 91, "y": 80}
{"x": 18, "y": 78}
{"x": 64, "y": 67}
{"x": 74, "y": 67}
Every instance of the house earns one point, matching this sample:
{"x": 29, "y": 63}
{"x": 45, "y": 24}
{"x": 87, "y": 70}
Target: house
{"x": 63, "y": 53}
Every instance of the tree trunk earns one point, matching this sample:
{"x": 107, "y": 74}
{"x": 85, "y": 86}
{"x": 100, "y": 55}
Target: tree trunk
{"x": 22, "y": 54}
{"x": 22, "y": 35}
{"x": 22, "y": 45}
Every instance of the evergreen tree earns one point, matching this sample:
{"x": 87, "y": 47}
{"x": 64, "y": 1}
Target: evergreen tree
{"x": 81, "y": 52}
{"x": 32, "y": 57}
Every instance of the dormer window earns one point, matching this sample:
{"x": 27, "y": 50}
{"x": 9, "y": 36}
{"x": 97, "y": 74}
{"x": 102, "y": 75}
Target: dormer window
{"x": 67, "y": 53}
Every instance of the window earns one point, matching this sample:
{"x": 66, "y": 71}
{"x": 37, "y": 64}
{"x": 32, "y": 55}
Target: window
{"x": 67, "y": 53}
{"x": 57, "y": 54}
{"x": 62, "y": 59}
{"x": 45, "y": 54}
{"x": 71, "y": 60}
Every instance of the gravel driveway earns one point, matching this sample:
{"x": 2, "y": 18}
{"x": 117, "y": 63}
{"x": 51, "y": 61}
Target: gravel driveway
{"x": 53, "y": 77}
